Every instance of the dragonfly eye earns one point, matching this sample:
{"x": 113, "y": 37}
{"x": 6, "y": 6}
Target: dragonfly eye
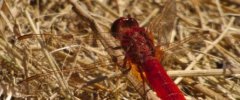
{"x": 115, "y": 26}
{"x": 123, "y": 24}
{"x": 131, "y": 23}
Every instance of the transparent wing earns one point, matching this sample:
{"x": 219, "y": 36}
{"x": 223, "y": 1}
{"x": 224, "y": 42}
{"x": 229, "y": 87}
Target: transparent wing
{"x": 163, "y": 23}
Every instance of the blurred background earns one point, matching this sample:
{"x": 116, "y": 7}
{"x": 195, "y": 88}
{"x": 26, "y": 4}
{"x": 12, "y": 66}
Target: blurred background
{"x": 63, "y": 49}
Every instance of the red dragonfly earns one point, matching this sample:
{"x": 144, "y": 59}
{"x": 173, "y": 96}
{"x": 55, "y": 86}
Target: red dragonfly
{"x": 139, "y": 48}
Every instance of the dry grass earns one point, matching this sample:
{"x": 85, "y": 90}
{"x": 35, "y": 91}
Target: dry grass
{"x": 73, "y": 59}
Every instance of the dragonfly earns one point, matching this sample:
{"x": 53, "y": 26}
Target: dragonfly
{"x": 138, "y": 44}
{"x": 146, "y": 58}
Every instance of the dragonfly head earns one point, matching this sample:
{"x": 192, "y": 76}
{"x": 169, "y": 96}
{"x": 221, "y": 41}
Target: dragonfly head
{"x": 123, "y": 25}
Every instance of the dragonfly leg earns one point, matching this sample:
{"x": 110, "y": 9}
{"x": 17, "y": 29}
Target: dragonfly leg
{"x": 143, "y": 81}
{"x": 116, "y": 48}
{"x": 127, "y": 69}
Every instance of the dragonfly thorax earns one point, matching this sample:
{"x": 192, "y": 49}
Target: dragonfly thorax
{"x": 136, "y": 45}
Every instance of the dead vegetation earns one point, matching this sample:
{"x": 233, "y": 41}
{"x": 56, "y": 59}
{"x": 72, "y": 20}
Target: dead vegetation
{"x": 62, "y": 49}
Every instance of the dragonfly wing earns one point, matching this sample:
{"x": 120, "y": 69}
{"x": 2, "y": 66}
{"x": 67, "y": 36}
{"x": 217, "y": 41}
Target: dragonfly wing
{"x": 139, "y": 76}
{"x": 163, "y": 23}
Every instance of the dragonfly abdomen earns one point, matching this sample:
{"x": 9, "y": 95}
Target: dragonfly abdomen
{"x": 161, "y": 83}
